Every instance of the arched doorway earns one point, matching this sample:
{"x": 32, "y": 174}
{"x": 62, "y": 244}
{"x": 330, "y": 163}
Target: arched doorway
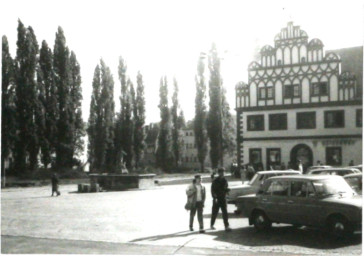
{"x": 304, "y": 153}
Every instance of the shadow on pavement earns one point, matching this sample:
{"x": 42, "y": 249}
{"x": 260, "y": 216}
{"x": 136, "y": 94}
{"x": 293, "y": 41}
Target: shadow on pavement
{"x": 219, "y": 216}
{"x": 287, "y": 235}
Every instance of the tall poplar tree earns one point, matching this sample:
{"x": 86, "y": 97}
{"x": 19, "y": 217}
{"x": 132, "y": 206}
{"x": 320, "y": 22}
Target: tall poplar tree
{"x": 139, "y": 120}
{"x": 94, "y": 122}
{"x": 163, "y": 148}
{"x": 124, "y": 125}
{"x": 28, "y": 107}
{"x": 8, "y": 125}
{"x": 101, "y": 120}
{"x": 61, "y": 65}
{"x": 176, "y": 141}
{"x": 200, "y": 115}
{"x": 214, "y": 119}
{"x": 78, "y": 129}
{"x": 49, "y": 102}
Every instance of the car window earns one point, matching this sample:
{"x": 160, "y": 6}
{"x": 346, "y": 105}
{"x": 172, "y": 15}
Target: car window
{"x": 298, "y": 188}
{"x": 278, "y": 188}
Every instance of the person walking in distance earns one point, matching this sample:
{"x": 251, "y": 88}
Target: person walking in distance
{"x": 197, "y": 193}
{"x": 219, "y": 189}
{"x": 55, "y": 184}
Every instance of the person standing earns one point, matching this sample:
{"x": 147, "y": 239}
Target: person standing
{"x": 219, "y": 189}
{"x": 250, "y": 171}
{"x": 197, "y": 194}
{"x": 300, "y": 166}
{"x": 55, "y": 184}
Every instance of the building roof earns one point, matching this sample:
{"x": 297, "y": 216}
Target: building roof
{"x": 352, "y": 61}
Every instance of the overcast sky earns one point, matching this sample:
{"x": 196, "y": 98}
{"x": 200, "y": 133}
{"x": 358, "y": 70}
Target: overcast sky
{"x": 166, "y": 37}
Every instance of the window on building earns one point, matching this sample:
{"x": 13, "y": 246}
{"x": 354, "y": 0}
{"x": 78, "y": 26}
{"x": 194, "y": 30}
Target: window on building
{"x": 262, "y": 93}
{"x": 306, "y": 120}
{"x": 270, "y": 92}
{"x": 279, "y": 62}
{"x": 303, "y": 59}
{"x": 334, "y": 119}
{"x": 278, "y": 122}
{"x": 292, "y": 90}
{"x": 256, "y": 123}
{"x": 359, "y": 118}
{"x": 320, "y": 89}
{"x": 333, "y": 156}
{"x": 266, "y": 93}
{"x": 273, "y": 157}
{"x": 255, "y": 156}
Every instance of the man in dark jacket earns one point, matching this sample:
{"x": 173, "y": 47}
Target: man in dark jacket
{"x": 55, "y": 182}
{"x": 219, "y": 189}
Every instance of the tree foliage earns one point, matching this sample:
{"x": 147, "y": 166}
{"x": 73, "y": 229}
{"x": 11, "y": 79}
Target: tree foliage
{"x": 101, "y": 121}
{"x": 200, "y": 114}
{"x": 8, "y": 111}
{"x": 139, "y": 120}
{"x": 214, "y": 119}
{"x": 163, "y": 155}
{"x": 176, "y": 126}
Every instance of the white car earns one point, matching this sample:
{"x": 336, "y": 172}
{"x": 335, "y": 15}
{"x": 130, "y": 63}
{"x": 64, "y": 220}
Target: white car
{"x": 254, "y": 184}
{"x": 334, "y": 171}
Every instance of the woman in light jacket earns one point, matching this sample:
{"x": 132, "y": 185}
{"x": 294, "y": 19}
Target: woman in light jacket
{"x": 196, "y": 193}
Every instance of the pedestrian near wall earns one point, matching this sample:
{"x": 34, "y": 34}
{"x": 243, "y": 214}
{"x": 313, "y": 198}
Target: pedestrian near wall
{"x": 219, "y": 189}
{"x": 55, "y": 184}
{"x": 300, "y": 166}
{"x": 196, "y": 193}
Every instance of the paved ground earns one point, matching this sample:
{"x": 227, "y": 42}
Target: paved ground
{"x": 145, "y": 222}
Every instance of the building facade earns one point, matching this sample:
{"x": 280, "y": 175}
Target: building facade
{"x": 298, "y": 105}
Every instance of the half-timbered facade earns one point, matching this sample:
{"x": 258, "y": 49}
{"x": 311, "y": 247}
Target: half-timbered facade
{"x": 298, "y": 105}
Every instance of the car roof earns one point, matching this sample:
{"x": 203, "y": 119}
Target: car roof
{"x": 305, "y": 177}
{"x": 278, "y": 171}
{"x": 336, "y": 169}
{"x": 353, "y": 175}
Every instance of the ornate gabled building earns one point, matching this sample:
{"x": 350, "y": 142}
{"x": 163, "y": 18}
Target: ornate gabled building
{"x": 299, "y": 105}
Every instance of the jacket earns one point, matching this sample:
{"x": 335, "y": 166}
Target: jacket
{"x": 191, "y": 192}
{"x": 219, "y": 188}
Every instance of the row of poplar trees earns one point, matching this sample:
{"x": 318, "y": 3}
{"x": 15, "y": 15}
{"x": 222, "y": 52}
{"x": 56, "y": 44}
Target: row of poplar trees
{"x": 212, "y": 125}
{"x": 41, "y": 104}
{"x": 115, "y": 139}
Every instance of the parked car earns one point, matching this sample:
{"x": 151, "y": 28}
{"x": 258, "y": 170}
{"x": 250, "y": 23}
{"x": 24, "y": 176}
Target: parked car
{"x": 359, "y": 167}
{"x": 309, "y": 200}
{"x": 318, "y": 167}
{"x": 355, "y": 180}
{"x": 334, "y": 171}
{"x": 252, "y": 186}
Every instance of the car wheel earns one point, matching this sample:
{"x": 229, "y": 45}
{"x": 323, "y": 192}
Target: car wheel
{"x": 338, "y": 226}
{"x": 261, "y": 221}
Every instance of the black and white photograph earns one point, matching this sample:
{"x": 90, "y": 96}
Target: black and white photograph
{"x": 170, "y": 127}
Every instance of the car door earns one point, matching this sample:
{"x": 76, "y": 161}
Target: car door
{"x": 302, "y": 204}
{"x": 274, "y": 200}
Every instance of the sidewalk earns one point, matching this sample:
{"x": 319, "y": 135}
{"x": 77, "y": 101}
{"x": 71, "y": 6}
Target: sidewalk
{"x": 31, "y": 245}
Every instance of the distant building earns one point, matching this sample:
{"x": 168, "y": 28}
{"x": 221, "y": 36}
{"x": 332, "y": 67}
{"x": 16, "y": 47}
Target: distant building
{"x": 300, "y": 104}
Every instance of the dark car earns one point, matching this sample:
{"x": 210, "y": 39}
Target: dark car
{"x": 308, "y": 200}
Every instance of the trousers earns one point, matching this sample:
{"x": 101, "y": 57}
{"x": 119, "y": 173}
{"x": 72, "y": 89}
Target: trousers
{"x": 217, "y": 204}
{"x": 199, "y": 208}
